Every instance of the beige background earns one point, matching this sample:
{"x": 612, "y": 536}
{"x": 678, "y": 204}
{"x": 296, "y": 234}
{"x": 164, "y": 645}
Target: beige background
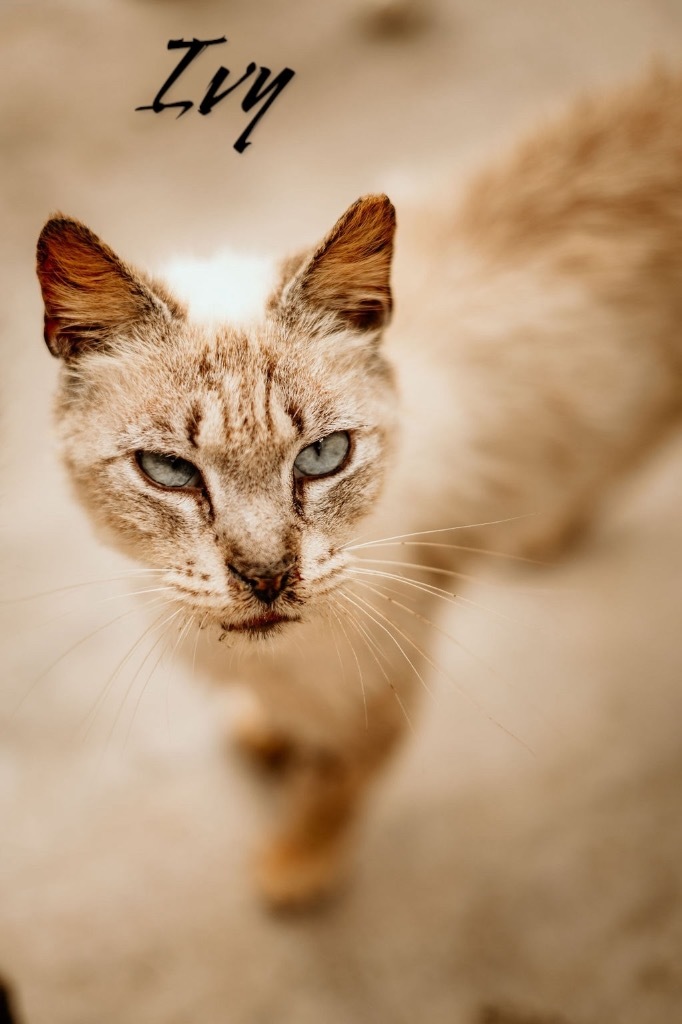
{"x": 495, "y": 885}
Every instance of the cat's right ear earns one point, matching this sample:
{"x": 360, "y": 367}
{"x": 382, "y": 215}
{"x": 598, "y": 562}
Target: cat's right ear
{"x": 90, "y": 295}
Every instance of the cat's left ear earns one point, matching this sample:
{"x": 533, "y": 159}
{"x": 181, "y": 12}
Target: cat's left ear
{"x": 348, "y": 275}
{"x": 90, "y": 295}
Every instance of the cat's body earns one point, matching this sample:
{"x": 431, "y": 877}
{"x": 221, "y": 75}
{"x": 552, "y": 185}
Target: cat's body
{"x": 536, "y": 351}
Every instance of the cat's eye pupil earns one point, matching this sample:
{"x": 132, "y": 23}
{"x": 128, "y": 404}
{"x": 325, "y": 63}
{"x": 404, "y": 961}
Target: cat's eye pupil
{"x": 168, "y": 470}
{"x": 323, "y": 457}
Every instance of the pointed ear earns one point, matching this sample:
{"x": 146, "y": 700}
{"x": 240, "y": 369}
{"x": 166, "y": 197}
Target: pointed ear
{"x": 90, "y": 295}
{"x": 349, "y": 273}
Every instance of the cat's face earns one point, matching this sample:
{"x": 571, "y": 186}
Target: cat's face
{"x": 238, "y": 460}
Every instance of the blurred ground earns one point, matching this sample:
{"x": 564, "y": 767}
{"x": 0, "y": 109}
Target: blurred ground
{"x": 495, "y": 886}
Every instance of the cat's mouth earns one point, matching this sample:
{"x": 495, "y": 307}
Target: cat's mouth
{"x": 260, "y": 624}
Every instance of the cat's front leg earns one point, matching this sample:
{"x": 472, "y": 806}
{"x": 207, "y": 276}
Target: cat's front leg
{"x": 336, "y": 714}
{"x": 334, "y": 698}
{"x": 324, "y": 790}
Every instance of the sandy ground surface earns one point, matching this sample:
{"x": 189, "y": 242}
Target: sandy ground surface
{"x": 495, "y": 885}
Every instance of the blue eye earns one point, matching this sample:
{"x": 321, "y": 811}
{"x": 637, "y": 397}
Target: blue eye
{"x": 168, "y": 470}
{"x": 324, "y": 456}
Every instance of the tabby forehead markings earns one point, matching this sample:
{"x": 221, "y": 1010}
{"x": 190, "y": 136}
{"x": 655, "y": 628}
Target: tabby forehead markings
{"x": 295, "y": 414}
{"x": 193, "y": 422}
{"x": 224, "y": 426}
{"x": 267, "y": 402}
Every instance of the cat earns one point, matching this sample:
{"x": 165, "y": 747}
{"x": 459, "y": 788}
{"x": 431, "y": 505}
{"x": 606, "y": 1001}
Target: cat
{"x": 534, "y": 354}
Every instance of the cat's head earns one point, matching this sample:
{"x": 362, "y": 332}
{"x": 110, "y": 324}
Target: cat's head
{"x": 238, "y": 460}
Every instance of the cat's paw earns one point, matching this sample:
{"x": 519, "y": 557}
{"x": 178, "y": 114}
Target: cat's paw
{"x": 292, "y": 875}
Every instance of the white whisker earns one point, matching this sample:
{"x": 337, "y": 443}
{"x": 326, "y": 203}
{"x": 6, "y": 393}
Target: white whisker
{"x": 450, "y": 547}
{"x": 443, "y": 529}
{"x": 370, "y": 643}
{"x": 104, "y": 600}
{"x": 178, "y": 644}
{"x": 420, "y": 567}
{"x": 196, "y": 644}
{"x": 342, "y": 663}
{"x": 444, "y": 595}
{"x": 77, "y": 586}
{"x": 458, "y": 643}
{"x": 71, "y": 649}
{"x": 164, "y": 626}
{"x": 434, "y": 664}
{"x": 388, "y": 632}
{"x": 360, "y": 676}
{"x": 89, "y": 720}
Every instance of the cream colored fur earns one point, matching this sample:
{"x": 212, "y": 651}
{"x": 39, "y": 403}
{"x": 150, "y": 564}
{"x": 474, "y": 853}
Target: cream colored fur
{"x": 535, "y": 353}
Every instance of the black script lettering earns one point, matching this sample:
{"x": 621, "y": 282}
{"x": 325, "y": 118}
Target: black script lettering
{"x": 194, "y": 48}
{"x": 211, "y": 98}
{"x": 263, "y": 90}
{"x": 253, "y": 96}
